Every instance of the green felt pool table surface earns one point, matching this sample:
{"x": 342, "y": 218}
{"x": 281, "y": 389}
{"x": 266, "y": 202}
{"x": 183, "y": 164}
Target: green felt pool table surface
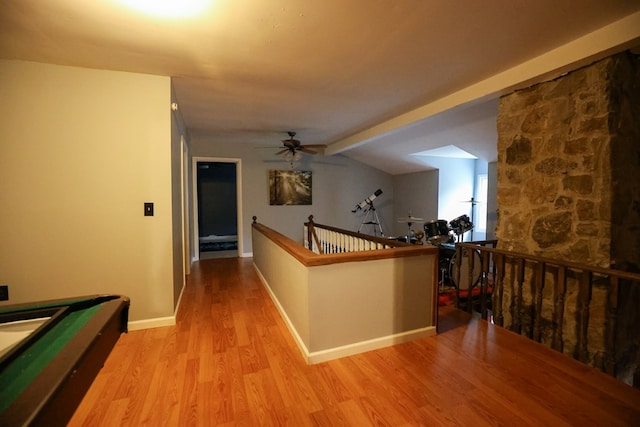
{"x": 45, "y": 376}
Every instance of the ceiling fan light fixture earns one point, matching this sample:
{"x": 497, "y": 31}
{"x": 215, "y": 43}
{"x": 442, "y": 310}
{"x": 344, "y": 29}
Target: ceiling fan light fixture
{"x": 292, "y": 156}
{"x": 292, "y": 150}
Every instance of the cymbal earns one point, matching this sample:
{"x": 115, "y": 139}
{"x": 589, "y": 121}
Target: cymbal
{"x": 410, "y": 219}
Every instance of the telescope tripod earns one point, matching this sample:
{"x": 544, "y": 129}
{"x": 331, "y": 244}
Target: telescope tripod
{"x": 375, "y": 220}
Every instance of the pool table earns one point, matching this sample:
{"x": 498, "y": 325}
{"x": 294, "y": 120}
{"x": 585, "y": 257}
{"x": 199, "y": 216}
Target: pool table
{"x": 46, "y": 373}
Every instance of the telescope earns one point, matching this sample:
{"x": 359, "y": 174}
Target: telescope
{"x": 368, "y": 201}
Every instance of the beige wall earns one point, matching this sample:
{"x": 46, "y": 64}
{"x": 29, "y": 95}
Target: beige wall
{"x": 376, "y": 300}
{"x": 339, "y": 183}
{"x": 80, "y": 152}
{"x": 287, "y": 281}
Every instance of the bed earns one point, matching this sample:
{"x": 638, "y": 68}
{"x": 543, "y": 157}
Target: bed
{"x": 215, "y": 242}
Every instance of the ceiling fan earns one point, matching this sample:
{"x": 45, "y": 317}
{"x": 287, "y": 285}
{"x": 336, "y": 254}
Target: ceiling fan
{"x": 293, "y": 149}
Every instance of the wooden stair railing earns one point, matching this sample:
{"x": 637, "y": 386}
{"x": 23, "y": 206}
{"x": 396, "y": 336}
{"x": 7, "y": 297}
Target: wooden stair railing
{"x": 532, "y": 292}
{"x": 325, "y": 239}
{"x": 362, "y": 251}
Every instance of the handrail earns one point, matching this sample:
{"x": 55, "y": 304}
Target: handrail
{"x": 311, "y": 259}
{"x": 533, "y": 291}
{"x": 552, "y": 261}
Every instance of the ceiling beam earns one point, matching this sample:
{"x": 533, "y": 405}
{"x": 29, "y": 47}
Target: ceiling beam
{"x": 615, "y": 37}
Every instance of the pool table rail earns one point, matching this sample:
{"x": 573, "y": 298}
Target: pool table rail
{"x": 52, "y": 392}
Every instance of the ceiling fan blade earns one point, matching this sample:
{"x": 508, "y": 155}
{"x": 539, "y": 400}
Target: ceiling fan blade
{"x": 306, "y": 150}
{"x": 282, "y": 152}
{"x": 315, "y": 145}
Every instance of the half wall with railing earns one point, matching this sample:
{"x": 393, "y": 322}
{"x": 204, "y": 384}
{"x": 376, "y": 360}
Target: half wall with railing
{"x": 346, "y": 302}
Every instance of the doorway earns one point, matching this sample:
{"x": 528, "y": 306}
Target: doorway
{"x": 217, "y": 209}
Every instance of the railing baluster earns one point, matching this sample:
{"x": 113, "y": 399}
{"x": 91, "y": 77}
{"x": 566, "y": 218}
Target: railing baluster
{"x": 326, "y": 247}
{"x": 484, "y": 277}
{"x": 470, "y": 279}
{"x": 557, "y": 342}
{"x": 636, "y": 373}
{"x": 335, "y": 242}
{"x": 520, "y": 265}
{"x": 498, "y": 284}
{"x": 512, "y": 289}
{"x": 458, "y": 264}
{"x": 536, "y": 314}
{"x": 613, "y": 294}
{"x": 581, "y": 351}
{"x": 327, "y": 242}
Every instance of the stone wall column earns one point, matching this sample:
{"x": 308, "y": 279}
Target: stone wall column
{"x": 568, "y": 187}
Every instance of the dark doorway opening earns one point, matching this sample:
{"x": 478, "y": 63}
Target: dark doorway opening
{"x": 217, "y": 209}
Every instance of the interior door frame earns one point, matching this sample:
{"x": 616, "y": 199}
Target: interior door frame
{"x": 195, "y": 228}
{"x": 184, "y": 212}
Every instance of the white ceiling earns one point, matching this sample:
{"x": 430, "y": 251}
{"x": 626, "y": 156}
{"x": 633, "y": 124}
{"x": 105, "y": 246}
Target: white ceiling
{"x": 376, "y": 80}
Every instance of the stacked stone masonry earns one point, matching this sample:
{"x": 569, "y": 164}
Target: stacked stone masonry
{"x": 569, "y": 182}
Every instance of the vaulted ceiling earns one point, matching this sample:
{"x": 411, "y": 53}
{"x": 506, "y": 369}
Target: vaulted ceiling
{"x": 372, "y": 79}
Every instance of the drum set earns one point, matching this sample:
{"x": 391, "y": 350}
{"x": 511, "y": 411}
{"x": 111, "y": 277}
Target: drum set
{"x": 441, "y": 233}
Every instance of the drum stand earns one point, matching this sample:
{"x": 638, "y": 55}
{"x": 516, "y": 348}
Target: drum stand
{"x": 444, "y": 256}
{"x": 410, "y": 232}
{"x": 375, "y": 220}
{"x": 441, "y": 285}
{"x": 412, "y": 236}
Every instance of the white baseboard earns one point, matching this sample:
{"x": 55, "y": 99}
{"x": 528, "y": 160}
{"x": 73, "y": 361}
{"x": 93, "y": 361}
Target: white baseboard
{"x": 373, "y": 344}
{"x": 158, "y": 322}
{"x": 283, "y": 313}
{"x": 246, "y": 255}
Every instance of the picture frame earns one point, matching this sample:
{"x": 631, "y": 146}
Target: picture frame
{"x": 290, "y": 187}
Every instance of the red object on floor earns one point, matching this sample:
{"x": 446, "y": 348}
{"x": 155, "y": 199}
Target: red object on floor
{"x": 449, "y": 297}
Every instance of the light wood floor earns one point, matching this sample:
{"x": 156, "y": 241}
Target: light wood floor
{"x": 231, "y": 361}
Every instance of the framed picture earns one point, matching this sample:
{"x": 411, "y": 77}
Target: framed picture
{"x": 289, "y": 187}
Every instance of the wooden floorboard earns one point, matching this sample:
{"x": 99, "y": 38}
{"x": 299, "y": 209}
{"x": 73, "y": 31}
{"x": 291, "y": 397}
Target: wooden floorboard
{"x": 230, "y": 360}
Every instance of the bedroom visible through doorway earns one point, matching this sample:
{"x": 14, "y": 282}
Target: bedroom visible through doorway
{"x": 217, "y": 209}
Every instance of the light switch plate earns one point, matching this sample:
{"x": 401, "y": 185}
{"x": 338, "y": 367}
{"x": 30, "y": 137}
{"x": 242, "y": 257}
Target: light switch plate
{"x": 148, "y": 208}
